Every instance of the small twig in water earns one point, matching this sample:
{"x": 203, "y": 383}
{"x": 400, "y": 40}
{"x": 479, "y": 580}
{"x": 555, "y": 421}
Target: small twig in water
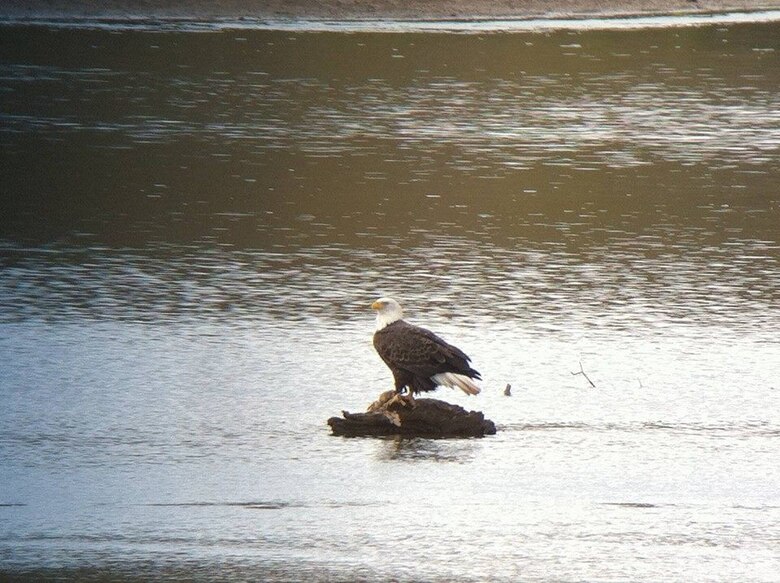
{"x": 582, "y": 372}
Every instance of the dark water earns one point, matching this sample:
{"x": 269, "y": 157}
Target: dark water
{"x": 193, "y": 225}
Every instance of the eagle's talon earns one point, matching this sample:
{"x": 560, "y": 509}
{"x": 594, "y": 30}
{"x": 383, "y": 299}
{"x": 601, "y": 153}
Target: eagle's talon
{"x": 408, "y": 400}
{"x": 395, "y": 402}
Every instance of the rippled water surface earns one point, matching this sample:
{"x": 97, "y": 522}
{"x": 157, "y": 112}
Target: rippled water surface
{"x": 194, "y": 224}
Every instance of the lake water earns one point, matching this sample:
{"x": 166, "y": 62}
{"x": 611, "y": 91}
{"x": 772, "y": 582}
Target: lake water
{"x": 193, "y": 225}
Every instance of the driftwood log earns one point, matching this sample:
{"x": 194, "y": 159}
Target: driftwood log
{"x": 392, "y": 414}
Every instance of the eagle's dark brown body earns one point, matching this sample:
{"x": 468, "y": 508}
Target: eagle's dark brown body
{"x": 416, "y": 355}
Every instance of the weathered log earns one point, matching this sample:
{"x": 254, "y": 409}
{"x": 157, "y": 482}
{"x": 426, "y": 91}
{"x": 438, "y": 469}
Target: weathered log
{"x": 395, "y": 415}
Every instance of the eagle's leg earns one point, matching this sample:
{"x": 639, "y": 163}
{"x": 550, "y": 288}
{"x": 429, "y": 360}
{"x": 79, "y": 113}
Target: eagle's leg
{"x": 403, "y": 393}
{"x": 408, "y": 398}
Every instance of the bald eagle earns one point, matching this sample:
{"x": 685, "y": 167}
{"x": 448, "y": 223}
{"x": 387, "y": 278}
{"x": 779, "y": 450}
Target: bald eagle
{"x": 419, "y": 360}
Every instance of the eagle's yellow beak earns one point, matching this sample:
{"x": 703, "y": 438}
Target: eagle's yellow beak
{"x": 377, "y": 305}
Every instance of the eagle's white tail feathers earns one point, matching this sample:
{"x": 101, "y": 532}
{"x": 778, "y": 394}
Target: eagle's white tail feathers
{"x": 453, "y": 380}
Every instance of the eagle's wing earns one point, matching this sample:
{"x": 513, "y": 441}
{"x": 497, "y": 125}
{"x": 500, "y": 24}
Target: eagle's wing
{"x": 421, "y": 352}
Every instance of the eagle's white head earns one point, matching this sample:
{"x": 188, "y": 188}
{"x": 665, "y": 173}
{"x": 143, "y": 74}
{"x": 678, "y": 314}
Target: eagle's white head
{"x": 387, "y": 312}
